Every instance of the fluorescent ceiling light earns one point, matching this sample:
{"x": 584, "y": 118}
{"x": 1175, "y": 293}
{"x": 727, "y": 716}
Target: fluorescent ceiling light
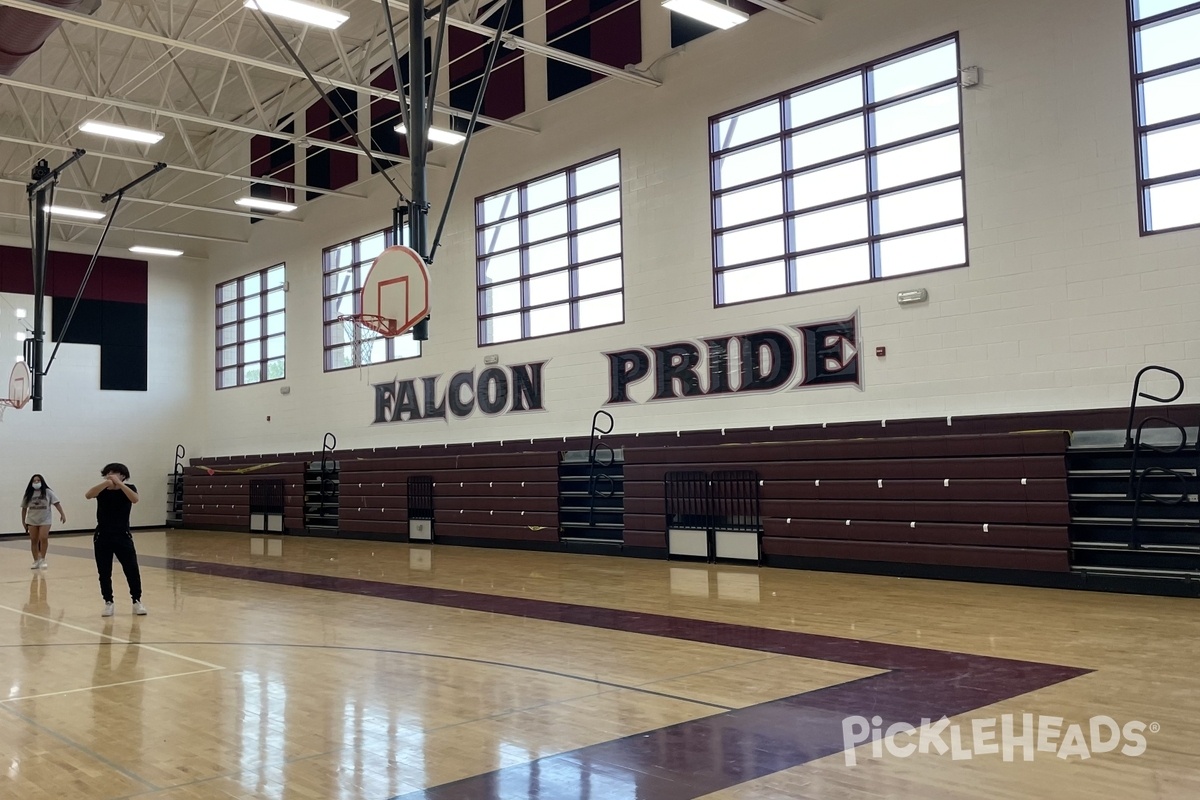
{"x": 155, "y": 251}
{"x": 439, "y": 135}
{"x": 121, "y": 132}
{"x": 716, "y": 14}
{"x": 264, "y": 205}
{"x": 300, "y": 12}
{"x": 77, "y": 213}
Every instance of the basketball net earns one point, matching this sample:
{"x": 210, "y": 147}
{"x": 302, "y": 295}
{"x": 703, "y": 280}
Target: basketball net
{"x": 363, "y": 332}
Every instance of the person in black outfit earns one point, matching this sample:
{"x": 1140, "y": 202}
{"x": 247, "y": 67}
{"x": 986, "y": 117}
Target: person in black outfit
{"x": 114, "y": 499}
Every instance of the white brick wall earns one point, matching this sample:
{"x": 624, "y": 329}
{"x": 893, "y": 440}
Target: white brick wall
{"x": 1062, "y": 304}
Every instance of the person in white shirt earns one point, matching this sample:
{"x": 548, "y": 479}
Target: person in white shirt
{"x": 36, "y": 517}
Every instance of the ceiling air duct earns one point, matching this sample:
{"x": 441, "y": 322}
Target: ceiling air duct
{"x": 22, "y": 33}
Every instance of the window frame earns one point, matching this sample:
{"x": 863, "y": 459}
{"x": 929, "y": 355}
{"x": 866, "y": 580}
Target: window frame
{"x": 240, "y": 340}
{"x": 328, "y": 325}
{"x": 571, "y": 268}
{"x": 870, "y": 196}
{"x": 1140, "y": 130}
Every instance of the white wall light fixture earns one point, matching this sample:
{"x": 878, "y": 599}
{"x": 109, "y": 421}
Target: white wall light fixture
{"x": 710, "y": 12}
{"x": 912, "y": 296}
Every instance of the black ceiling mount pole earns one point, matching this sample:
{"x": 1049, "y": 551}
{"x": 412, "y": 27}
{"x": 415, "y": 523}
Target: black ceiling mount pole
{"x": 41, "y": 194}
{"x": 119, "y": 194}
{"x": 418, "y": 143}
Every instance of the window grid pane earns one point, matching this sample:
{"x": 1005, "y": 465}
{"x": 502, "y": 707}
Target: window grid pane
{"x": 244, "y": 354}
{"x": 345, "y": 268}
{"x": 866, "y": 167}
{"x": 1166, "y": 80}
{"x": 557, "y": 266}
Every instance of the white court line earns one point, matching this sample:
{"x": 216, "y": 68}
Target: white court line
{"x": 106, "y": 685}
{"x": 112, "y": 638}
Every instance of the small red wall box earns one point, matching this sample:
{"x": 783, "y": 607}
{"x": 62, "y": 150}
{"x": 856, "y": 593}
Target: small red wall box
{"x": 881, "y": 351}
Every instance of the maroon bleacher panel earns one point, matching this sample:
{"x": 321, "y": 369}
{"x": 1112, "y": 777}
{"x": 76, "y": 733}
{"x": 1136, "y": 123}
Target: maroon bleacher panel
{"x": 479, "y": 494}
{"x": 222, "y": 501}
{"x": 981, "y": 493}
{"x": 608, "y": 31}
{"x": 981, "y": 501}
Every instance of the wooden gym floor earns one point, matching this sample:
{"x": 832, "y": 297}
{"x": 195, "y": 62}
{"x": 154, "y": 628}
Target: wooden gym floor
{"x": 309, "y": 668}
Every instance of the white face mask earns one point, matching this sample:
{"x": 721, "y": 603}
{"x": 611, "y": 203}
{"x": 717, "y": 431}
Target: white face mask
{"x": 37, "y": 484}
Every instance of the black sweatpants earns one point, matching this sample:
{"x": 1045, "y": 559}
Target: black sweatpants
{"x": 121, "y": 546}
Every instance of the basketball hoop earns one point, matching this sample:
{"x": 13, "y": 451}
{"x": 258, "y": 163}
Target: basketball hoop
{"x": 362, "y": 331}
{"x": 20, "y": 388}
{"x": 394, "y": 297}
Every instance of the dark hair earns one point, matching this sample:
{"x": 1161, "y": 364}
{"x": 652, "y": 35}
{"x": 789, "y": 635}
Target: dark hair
{"x": 29, "y": 490}
{"x": 121, "y": 469}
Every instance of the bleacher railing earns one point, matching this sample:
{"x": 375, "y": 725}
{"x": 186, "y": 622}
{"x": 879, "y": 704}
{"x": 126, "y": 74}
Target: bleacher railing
{"x": 1143, "y": 451}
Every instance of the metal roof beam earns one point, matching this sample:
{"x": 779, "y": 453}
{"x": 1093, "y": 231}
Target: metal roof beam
{"x": 554, "y": 53}
{"x": 155, "y": 231}
{"x": 251, "y": 61}
{"x": 195, "y": 119}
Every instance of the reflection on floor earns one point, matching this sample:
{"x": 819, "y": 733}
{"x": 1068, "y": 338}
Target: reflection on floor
{"x": 280, "y": 667}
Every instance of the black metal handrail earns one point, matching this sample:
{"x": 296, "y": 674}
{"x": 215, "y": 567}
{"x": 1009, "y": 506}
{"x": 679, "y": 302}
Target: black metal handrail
{"x": 328, "y": 445}
{"x": 177, "y": 480}
{"x": 594, "y": 476}
{"x": 1134, "y": 442}
{"x": 1137, "y": 381}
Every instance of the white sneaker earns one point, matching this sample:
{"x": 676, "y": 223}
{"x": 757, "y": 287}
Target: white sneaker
{"x": 43, "y": 565}
{"x": 138, "y": 608}
{"x": 37, "y": 562}
{"x": 108, "y": 611}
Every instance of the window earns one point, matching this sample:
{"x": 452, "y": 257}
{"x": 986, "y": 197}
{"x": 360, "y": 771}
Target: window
{"x": 250, "y": 338}
{"x": 548, "y": 254}
{"x": 347, "y": 344}
{"x": 1165, "y": 42}
{"x": 854, "y": 178}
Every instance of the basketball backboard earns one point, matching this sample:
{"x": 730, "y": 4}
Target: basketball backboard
{"x": 395, "y": 294}
{"x": 20, "y": 388}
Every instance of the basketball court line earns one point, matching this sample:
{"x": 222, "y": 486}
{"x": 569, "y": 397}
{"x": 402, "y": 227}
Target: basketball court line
{"x": 107, "y": 685}
{"x": 209, "y": 667}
